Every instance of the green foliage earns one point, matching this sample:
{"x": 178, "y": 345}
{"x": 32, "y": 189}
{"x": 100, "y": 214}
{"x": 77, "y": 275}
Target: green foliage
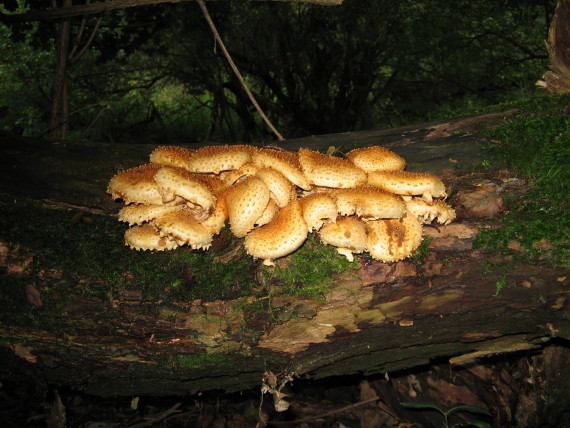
{"x": 153, "y": 75}
{"x": 422, "y": 405}
{"x": 536, "y": 144}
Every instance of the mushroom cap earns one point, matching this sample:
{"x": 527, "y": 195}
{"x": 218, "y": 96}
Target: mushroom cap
{"x": 426, "y": 213}
{"x": 146, "y": 237}
{"x": 215, "y": 159}
{"x": 280, "y": 237}
{"x": 182, "y": 227}
{"x": 179, "y": 182}
{"x": 215, "y": 183}
{"x": 268, "y": 213}
{"x": 408, "y": 183}
{"x": 246, "y": 200}
{"x": 391, "y": 240}
{"x": 217, "y": 219}
{"x": 136, "y": 185}
{"x": 140, "y": 213}
{"x": 330, "y": 171}
{"x": 246, "y": 170}
{"x": 280, "y": 188}
{"x": 368, "y": 202}
{"x": 286, "y": 163}
{"x": 318, "y": 207}
{"x": 376, "y": 158}
{"x": 348, "y": 234}
{"x": 171, "y": 156}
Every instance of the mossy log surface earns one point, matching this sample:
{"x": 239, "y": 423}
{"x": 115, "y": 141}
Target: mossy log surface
{"x": 452, "y": 303}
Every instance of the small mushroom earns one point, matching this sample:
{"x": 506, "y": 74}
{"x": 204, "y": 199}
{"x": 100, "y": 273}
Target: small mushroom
{"x": 286, "y": 163}
{"x": 140, "y": 213}
{"x": 348, "y": 234}
{"x": 330, "y": 171}
{"x": 171, "y": 156}
{"x": 391, "y": 240}
{"x": 182, "y": 227}
{"x": 409, "y": 183}
{"x": 246, "y": 202}
{"x": 426, "y": 213}
{"x": 215, "y": 159}
{"x": 136, "y": 185}
{"x": 174, "y": 182}
{"x": 146, "y": 237}
{"x": 280, "y": 237}
{"x": 318, "y": 207}
{"x": 376, "y": 158}
{"x": 368, "y": 202}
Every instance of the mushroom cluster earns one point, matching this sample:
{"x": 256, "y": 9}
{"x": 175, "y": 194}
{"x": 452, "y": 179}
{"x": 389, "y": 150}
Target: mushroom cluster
{"x": 273, "y": 199}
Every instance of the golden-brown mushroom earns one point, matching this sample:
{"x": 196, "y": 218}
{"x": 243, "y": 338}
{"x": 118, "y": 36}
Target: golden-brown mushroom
{"x": 146, "y": 237}
{"x": 393, "y": 239}
{"x": 215, "y": 159}
{"x": 246, "y": 200}
{"x": 318, "y": 207}
{"x": 368, "y": 202}
{"x": 376, "y": 158}
{"x": 409, "y": 183}
{"x": 136, "y": 185}
{"x": 280, "y": 188}
{"x": 140, "y": 213}
{"x": 182, "y": 227}
{"x": 171, "y": 156}
{"x": 286, "y": 163}
{"x": 280, "y": 237}
{"x": 348, "y": 234}
{"x": 217, "y": 219}
{"x": 330, "y": 171}
{"x": 179, "y": 182}
{"x": 426, "y": 213}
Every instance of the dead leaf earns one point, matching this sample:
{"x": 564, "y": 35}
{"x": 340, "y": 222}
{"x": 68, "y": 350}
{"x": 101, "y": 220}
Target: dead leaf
{"x": 33, "y": 295}
{"x": 485, "y": 201}
{"x": 25, "y": 352}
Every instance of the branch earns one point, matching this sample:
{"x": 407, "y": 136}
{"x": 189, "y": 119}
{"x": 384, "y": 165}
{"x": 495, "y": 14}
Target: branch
{"x": 89, "y": 9}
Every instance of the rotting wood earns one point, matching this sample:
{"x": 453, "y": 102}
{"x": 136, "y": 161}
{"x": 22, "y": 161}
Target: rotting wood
{"x": 379, "y": 319}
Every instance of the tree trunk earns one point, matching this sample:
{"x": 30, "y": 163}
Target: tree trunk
{"x": 453, "y": 303}
{"x": 59, "y": 122}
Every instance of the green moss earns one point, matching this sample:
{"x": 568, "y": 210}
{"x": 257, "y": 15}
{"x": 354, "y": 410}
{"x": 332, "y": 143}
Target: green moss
{"x": 88, "y": 249}
{"x": 203, "y": 360}
{"x": 309, "y": 270}
{"x": 535, "y": 143}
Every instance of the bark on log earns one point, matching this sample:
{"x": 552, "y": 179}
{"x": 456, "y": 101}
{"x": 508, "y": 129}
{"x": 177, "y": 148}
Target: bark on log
{"x": 557, "y": 79}
{"x": 379, "y": 318}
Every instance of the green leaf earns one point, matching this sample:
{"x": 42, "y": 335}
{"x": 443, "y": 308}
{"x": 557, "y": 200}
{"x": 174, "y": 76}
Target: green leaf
{"x": 422, "y": 405}
{"x": 471, "y": 409}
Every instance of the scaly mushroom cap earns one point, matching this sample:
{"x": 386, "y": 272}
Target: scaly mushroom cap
{"x": 330, "y": 171}
{"x": 140, "y": 213}
{"x": 408, "y": 183}
{"x": 136, "y": 185}
{"x": 184, "y": 229}
{"x": 219, "y": 158}
{"x": 171, "y": 156}
{"x": 215, "y": 183}
{"x": 268, "y": 213}
{"x": 146, "y": 237}
{"x": 286, "y": 163}
{"x": 348, "y": 234}
{"x": 179, "y": 182}
{"x": 283, "y": 235}
{"x": 217, "y": 219}
{"x": 318, "y": 207}
{"x": 280, "y": 188}
{"x": 426, "y": 213}
{"x": 376, "y": 158}
{"x": 246, "y": 200}
{"x": 246, "y": 170}
{"x": 393, "y": 239}
{"x": 368, "y": 202}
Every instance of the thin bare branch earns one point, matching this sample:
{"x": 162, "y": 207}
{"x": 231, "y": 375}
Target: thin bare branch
{"x": 93, "y": 8}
